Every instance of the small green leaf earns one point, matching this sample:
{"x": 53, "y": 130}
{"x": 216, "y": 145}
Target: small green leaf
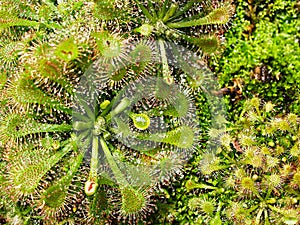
{"x": 67, "y": 50}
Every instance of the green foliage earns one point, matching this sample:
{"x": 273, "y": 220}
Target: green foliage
{"x": 110, "y": 9}
{"x": 252, "y": 180}
{"x": 132, "y": 201}
{"x": 25, "y": 178}
{"x": 10, "y": 20}
{"x": 263, "y": 50}
{"x": 67, "y": 50}
{"x": 168, "y": 19}
{"x": 47, "y": 46}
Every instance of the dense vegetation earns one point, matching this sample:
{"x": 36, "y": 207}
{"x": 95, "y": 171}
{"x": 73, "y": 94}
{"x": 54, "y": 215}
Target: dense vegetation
{"x": 110, "y": 113}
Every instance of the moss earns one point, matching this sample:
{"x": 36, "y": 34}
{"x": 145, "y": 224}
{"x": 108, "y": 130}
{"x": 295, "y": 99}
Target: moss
{"x": 265, "y": 61}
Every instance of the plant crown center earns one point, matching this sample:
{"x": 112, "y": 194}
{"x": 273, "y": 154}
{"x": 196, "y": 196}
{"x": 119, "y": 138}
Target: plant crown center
{"x": 99, "y": 125}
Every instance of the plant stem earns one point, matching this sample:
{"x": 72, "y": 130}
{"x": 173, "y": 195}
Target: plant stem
{"x": 145, "y": 11}
{"x": 152, "y": 8}
{"x": 232, "y": 161}
{"x": 185, "y": 8}
{"x": 121, "y": 180}
{"x": 275, "y": 209}
{"x": 267, "y": 222}
{"x": 205, "y": 186}
{"x": 90, "y": 113}
{"x": 170, "y": 12}
{"x": 165, "y": 67}
{"x": 251, "y": 209}
{"x": 257, "y": 219}
{"x": 163, "y": 9}
{"x": 123, "y": 104}
{"x": 218, "y": 16}
{"x": 258, "y": 195}
{"x": 94, "y": 160}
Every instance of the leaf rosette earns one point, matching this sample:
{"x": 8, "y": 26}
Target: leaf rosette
{"x": 143, "y": 130}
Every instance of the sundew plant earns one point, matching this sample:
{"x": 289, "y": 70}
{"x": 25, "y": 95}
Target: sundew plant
{"x": 100, "y": 107}
{"x": 254, "y": 173}
{"x": 112, "y": 112}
